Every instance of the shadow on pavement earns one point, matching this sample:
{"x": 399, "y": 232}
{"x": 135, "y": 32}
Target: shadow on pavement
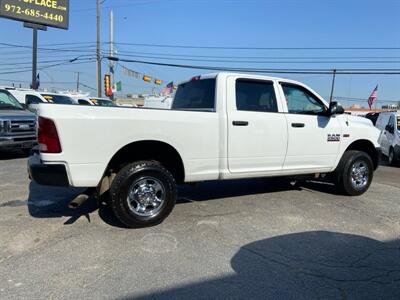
{"x": 52, "y": 202}
{"x": 12, "y": 154}
{"x": 306, "y": 265}
{"x": 213, "y": 190}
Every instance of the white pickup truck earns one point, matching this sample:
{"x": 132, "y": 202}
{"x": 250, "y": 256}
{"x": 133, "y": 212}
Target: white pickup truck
{"x": 221, "y": 126}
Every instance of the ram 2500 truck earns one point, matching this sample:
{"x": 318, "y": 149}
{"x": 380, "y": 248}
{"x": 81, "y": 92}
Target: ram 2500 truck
{"x": 220, "y": 126}
{"x": 17, "y": 125}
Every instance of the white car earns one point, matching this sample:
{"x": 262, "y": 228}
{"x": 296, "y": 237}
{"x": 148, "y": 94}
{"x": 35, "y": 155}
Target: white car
{"x": 102, "y": 101}
{"x": 220, "y": 126}
{"x": 57, "y": 98}
{"x": 26, "y": 97}
{"x": 389, "y": 125}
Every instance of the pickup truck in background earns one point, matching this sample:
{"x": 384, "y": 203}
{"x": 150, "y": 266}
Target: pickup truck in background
{"x": 17, "y": 125}
{"x": 221, "y": 126}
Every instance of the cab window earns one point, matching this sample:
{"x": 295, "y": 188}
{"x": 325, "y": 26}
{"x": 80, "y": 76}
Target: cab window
{"x": 300, "y": 101}
{"x": 255, "y": 95}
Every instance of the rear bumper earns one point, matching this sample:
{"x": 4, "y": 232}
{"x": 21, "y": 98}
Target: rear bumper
{"x": 54, "y": 175}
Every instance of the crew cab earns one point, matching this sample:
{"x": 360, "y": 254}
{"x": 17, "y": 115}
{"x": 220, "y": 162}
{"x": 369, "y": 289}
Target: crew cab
{"x": 17, "y": 125}
{"x": 221, "y": 126}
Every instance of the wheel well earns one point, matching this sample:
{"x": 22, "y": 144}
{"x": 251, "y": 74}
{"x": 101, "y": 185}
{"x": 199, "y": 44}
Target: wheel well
{"x": 149, "y": 150}
{"x": 367, "y": 147}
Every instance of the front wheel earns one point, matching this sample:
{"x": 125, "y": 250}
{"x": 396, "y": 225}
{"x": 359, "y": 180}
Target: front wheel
{"x": 143, "y": 194}
{"x": 391, "y": 159}
{"x": 354, "y": 173}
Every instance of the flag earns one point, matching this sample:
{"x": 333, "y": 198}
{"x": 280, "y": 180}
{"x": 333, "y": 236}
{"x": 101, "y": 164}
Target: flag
{"x": 117, "y": 87}
{"x": 37, "y": 81}
{"x": 168, "y": 89}
{"x": 373, "y": 97}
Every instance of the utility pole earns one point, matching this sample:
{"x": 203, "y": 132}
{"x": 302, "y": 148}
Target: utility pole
{"x": 111, "y": 62}
{"x": 98, "y": 54}
{"x": 77, "y": 82}
{"x": 34, "y": 59}
{"x": 333, "y": 86}
{"x": 35, "y": 28}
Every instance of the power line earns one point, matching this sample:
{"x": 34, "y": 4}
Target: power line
{"x": 272, "y": 61}
{"x": 124, "y": 52}
{"x": 259, "y": 70}
{"x": 257, "y": 48}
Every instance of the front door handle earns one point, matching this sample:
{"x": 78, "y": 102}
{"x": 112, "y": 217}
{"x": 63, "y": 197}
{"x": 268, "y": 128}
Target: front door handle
{"x": 298, "y": 125}
{"x": 240, "y": 123}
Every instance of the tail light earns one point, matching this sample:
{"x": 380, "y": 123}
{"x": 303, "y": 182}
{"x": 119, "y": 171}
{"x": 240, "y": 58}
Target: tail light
{"x": 48, "y": 136}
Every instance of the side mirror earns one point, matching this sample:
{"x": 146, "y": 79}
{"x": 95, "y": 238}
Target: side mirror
{"x": 335, "y": 109}
{"x": 389, "y": 128}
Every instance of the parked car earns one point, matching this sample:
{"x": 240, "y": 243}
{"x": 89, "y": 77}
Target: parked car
{"x": 17, "y": 125}
{"x": 27, "y": 97}
{"x": 220, "y": 126}
{"x": 57, "y": 98}
{"x": 373, "y": 117}
{"x": 85, "y": 101}
{"x": 389, "y": 125}
{"x": 102, "y": 102}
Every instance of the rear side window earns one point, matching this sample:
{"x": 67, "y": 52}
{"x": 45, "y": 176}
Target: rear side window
{"x": 195, "y": 95}
{"x": 255, "y": 95}
{"x": 32, "y": 99}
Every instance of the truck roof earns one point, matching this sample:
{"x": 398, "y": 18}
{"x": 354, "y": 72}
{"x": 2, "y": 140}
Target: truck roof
{"x": 256, "y": 76}
{"x": 246, "y": 75}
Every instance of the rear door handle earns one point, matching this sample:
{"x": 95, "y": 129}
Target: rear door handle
{"x": 240, "y": 123}
{"x": 298, "y": 125}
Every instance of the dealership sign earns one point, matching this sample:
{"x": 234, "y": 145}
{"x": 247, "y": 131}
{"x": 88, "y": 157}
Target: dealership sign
{"x": 53, "y": 13}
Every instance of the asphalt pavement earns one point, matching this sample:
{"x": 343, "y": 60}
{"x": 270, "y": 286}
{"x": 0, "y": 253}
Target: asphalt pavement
{"x": 245, "y": 239}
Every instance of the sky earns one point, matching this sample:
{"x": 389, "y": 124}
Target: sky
{"x": 228, "y": 24}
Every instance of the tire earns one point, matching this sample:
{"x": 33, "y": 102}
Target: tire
{"x": 143, "y": 194}
{"x": 391, "y": 159}
{"x": 354, "y": 173}
{"x": 26, "y": 151}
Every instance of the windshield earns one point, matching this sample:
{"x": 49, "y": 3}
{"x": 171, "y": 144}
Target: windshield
{"x": 7, "y": 101}
{"x": 102, "y": 102}
{"x": 58, "y": 99}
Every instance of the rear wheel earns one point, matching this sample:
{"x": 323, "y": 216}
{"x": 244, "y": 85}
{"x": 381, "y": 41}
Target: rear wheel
{"x": 354, "y": 173}
{"x": 143, "y": 194}
{"x": 391, "y": 159}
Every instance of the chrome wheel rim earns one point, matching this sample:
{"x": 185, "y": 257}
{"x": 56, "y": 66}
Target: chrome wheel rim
{"x": 359, "y": 175}
{"x": 146, "y": 196}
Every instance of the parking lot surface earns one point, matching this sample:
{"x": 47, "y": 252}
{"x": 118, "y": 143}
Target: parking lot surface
{"x": 241, "y": 239}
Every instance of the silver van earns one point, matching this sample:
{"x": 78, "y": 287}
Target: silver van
{"x": 389, "y": 125}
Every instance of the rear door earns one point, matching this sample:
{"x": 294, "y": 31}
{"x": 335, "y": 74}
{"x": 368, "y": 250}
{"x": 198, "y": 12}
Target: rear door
{"x": 257, "y": 130}
{"x": 313, "y": 137}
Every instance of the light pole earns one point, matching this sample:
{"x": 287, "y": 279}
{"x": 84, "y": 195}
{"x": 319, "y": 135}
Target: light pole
{"x": 98, "y": 54}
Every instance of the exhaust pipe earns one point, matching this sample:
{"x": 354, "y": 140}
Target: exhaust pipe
{"x": 78, "y": 201}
